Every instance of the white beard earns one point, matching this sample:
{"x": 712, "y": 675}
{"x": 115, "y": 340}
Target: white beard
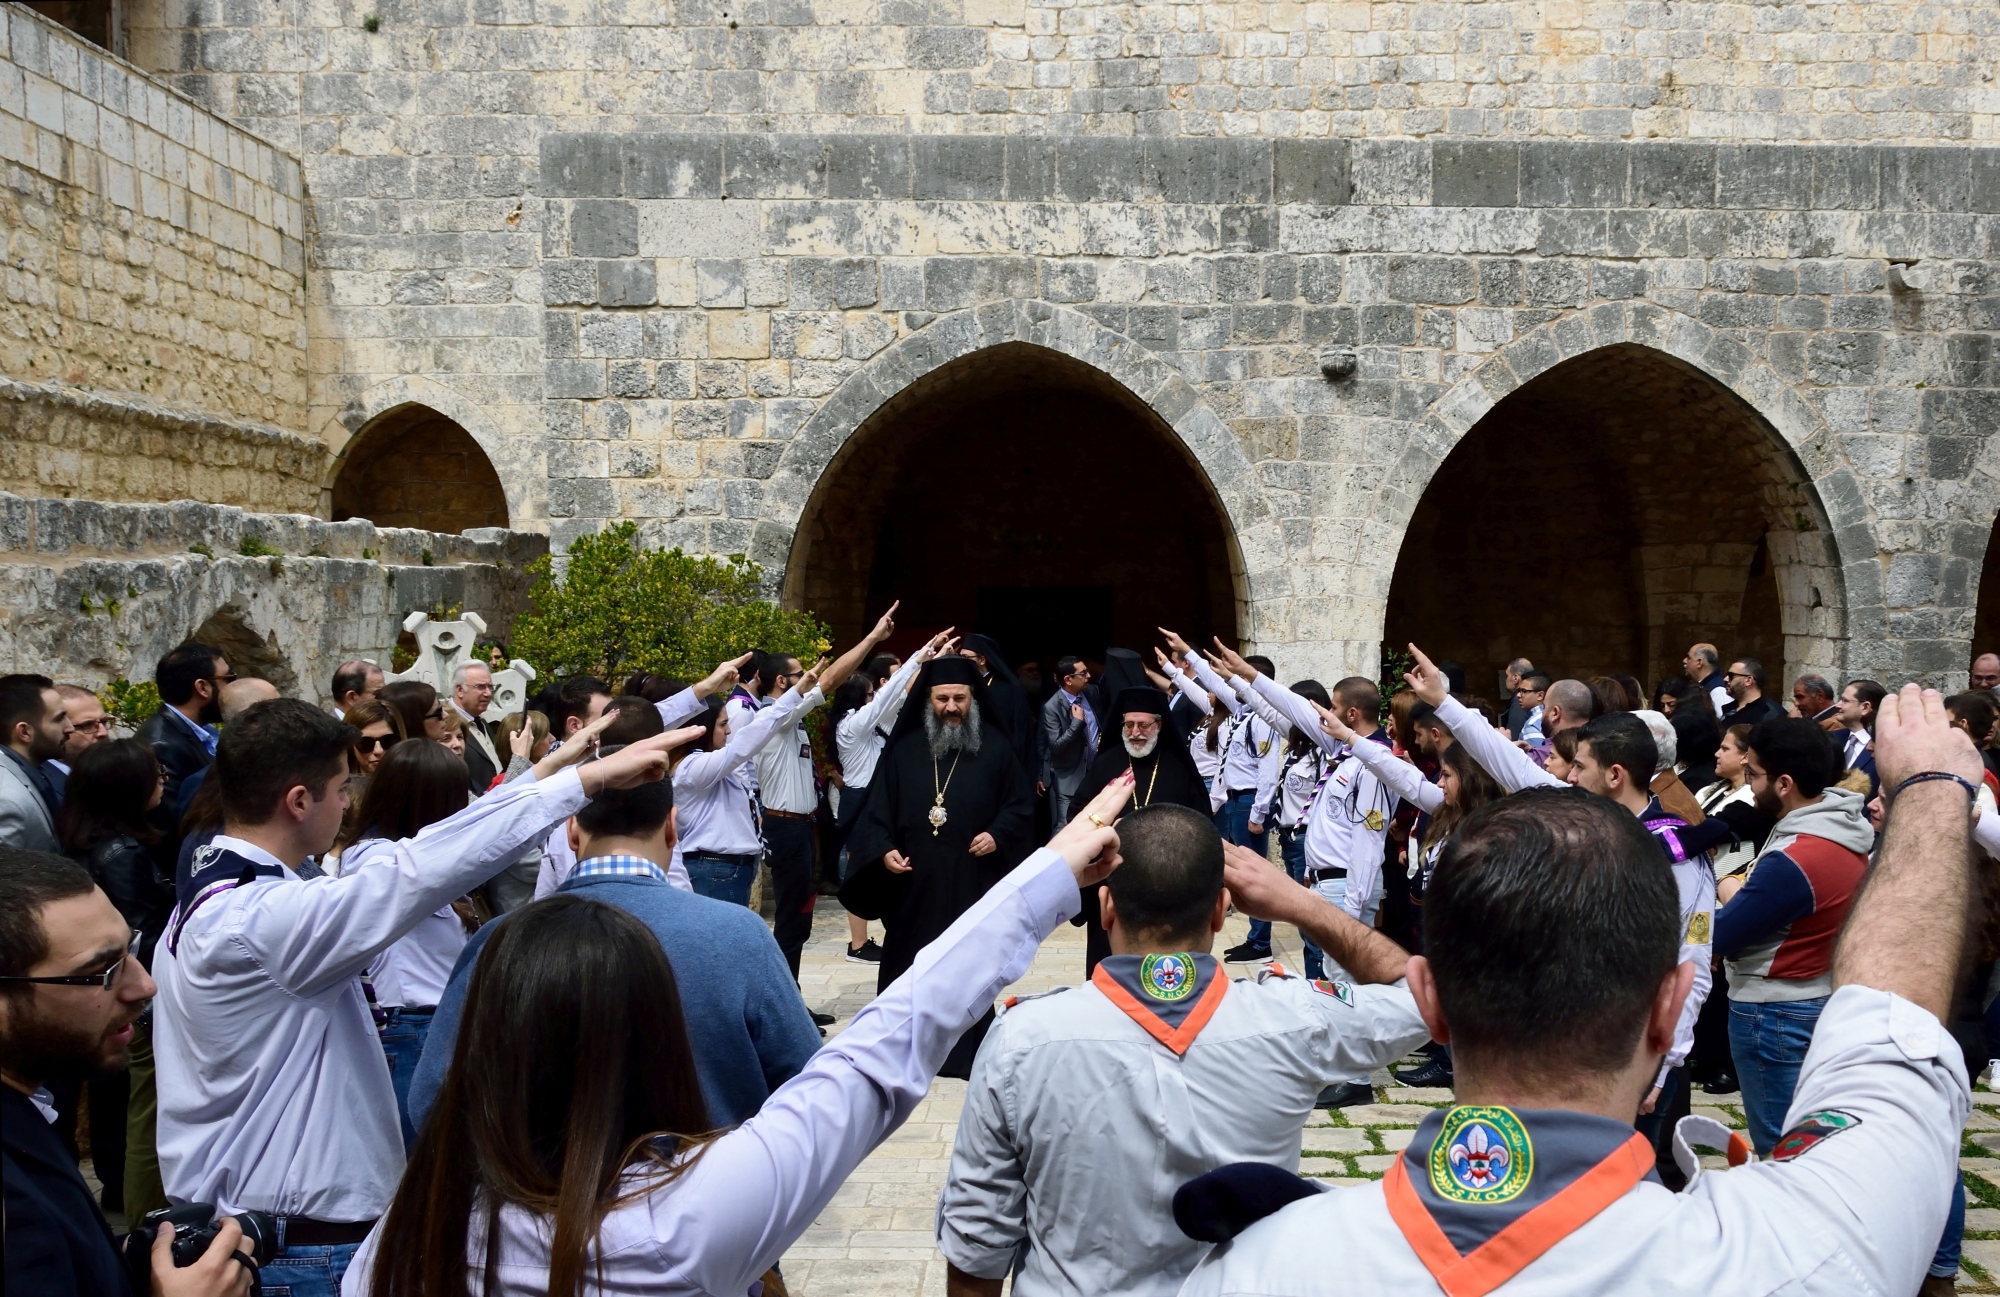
{"x": 1137, "y": 748}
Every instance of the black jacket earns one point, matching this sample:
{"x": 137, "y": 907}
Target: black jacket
{"x": 181, "y": 755}
{"x": 1761, "y": 709}
{"x": 129, "y": 873}
{"x": 57, "y": 1239}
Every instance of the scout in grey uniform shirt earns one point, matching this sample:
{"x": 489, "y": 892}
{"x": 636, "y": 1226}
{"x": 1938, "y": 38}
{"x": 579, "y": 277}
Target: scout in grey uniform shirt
{"x": 1088, "y": 1107}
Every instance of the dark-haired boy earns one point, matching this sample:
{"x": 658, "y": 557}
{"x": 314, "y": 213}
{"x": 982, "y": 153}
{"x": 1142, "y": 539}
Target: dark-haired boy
{"x": 1535, "y": 1183}
{"x": 1087, "y": 1109}
{"x": 1777, "y": 933}
{"x": 273, "y": 1090}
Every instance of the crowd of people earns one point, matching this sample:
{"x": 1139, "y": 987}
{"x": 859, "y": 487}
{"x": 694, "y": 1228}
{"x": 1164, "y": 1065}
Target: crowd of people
{"x": 410, "y": 1002}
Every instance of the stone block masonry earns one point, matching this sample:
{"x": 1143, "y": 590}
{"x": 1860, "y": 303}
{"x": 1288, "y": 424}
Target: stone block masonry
{"x": 155, "y": 259}
{"x": 91, "y": 591}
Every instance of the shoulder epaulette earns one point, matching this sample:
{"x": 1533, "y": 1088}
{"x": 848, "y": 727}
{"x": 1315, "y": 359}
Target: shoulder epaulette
{"x": 1013, "y": 1000}
{"x": 1272, "y": 970}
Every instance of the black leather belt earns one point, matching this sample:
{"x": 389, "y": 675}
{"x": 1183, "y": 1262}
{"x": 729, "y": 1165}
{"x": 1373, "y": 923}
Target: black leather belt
{"x": 1330, "y": 871}
{"x": 1242, "y": 792}
{"x": 788, "y": 815}
{"x": 303, "y": 1231}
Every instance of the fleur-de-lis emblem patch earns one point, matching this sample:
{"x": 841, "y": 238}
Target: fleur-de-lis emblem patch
{"x": 1482, "y": 1155}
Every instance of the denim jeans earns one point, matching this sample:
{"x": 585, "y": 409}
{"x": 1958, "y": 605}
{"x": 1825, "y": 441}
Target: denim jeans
{"x": 1233, "y": 823}
{"x": 721, "y": 878}
{"x": 1944, "y": 1264}
{"x": 1769, "y": 1042}
{"x": 308, "y": 1271}
{"x": 403, "y": 1037}
{"x": 1292, "y": 848}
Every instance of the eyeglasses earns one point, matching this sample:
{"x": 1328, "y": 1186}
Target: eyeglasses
{"x": 90, "y": 726}
{"x": 1735, "y": 675}
{"x": 369, "y": 742}
{"x": 103, "y": 981}
{"x": 220, "y": 681}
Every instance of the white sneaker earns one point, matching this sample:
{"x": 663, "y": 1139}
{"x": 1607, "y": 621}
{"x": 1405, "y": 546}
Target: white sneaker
{"x": 1992, "y": 1082}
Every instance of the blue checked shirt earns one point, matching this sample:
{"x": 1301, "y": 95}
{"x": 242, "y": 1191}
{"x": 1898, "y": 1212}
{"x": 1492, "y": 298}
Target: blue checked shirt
{"x": 618, "y": 867}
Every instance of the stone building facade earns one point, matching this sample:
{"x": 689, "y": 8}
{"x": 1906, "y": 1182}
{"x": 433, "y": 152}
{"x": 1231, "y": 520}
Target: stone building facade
{"x": 1575, "y": 330}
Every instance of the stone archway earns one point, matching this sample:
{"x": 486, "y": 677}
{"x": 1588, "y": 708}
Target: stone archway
{"x": 412, "y": 467}
{"x": 1083, "y": 410}
{"x": 1614, "y": 487}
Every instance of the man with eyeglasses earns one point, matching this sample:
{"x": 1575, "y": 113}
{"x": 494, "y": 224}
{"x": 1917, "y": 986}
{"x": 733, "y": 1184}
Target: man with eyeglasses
{"x": 88, "y": 724}
{"x": 1748, "y": 706}
{"x": 1069, "y": 738}
{"x": 33, "y": 730}
{"x": 70, "y": 992}
{"x": 182, "y": 734}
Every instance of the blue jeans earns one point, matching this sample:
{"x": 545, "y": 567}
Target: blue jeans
{"x": 1334, "y": 891}
{"x": 1292, "y": 848}
{"x": 1944, "y": 1264}
{"x": 403, "y": 1037}
{"x": 1233, "y": 823}
{"x": 308, "y": 1271}
{"x": 1769, "y": 1043}
{"x": 721, "y": 878}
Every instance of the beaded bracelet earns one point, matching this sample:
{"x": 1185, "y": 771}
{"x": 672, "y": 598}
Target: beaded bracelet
{"x": 1971, "y": 789}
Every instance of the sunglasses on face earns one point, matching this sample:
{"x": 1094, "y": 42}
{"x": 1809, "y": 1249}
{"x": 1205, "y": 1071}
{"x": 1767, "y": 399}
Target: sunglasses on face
{"x": 435, "y": 714}
{"x": 370, "y": 742}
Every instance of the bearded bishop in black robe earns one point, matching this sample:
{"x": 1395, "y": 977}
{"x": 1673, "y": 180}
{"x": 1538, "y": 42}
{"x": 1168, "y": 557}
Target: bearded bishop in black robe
{"x": 1163, "y": 774}
{"x": 944, "y": 782}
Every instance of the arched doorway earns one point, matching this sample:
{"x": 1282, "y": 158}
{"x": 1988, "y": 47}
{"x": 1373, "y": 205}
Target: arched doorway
{"x": 1023, "y": 493}
{"x": 413, "y": 467}
{"x": 1604, "y": 516}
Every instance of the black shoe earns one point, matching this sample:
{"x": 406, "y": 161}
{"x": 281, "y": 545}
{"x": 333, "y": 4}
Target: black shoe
{"x": 821, "y": 1019}
{"x": 1247, "y": 954}
{"x": 865, "y": 953}
{"x": 1345, "y": 1095}
{"x": 1434, "y": 1074}
{"x": 1720, "y": 1083}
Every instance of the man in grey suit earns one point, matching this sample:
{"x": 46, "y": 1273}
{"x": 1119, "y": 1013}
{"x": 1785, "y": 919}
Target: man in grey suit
{"x": 36, "y": 727}
{"x": 1069, "y": 738}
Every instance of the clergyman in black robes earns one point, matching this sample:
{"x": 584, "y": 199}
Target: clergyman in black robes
{"x": 946, "y": 780}
{"x": 1153, "y": 748}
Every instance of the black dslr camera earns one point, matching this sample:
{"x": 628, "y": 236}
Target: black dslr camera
{"x": 195, "y": 1227}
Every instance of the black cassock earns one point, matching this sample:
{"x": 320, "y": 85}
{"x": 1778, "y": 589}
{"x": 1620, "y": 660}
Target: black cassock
{"x": 988, "y": 792}
{"x": 1155, "y": 783}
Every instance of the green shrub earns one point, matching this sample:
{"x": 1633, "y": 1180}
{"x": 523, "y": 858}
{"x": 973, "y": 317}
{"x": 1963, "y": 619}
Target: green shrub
{"x": 617, "y": 608}
{"x": 257, "y": 547}
{"x": 128, "y": 702}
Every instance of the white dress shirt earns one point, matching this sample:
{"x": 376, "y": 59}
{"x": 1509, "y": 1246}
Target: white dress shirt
{"x": 410, "y": 974}
{"x": 863, "y": 732}
{"x": 785, "y": 780}
{"x": 730, "y": 1217}
{"x": 714, "y": 790}
{"x": 1246, "y": 740}
{"x": 274, "y": 1092}
{"x": 1347, "y": 825}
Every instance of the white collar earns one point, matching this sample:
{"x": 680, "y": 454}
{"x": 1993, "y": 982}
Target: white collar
{"x": 45, "y": 1103}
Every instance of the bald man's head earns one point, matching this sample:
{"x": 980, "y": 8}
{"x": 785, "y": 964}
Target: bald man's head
{"x": 239, "y": 696}
{"x": 1568, "y": 704}
{"x": 1986, "y": 671}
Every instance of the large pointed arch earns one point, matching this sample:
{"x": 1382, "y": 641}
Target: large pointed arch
{"x": 1814, "y": 535}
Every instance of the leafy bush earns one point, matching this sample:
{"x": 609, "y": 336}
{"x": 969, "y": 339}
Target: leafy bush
{"x": 257, "y": 547}
{"x": 129, "y": 703}
{"x": 617, "y": 608}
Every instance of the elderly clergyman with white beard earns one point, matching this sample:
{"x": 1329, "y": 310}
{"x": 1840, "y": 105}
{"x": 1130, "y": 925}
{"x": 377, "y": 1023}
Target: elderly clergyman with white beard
{"x": 949, "y": 812}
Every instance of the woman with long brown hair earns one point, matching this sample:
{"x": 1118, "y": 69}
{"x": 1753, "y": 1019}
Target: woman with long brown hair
{"x": 570, "y": 1151}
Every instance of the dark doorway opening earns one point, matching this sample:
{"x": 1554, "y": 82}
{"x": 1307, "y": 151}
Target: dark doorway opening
{"x": 412, "y": 467}
{"x": 1605, "y": 516}
{"x": 1025, "y": 495}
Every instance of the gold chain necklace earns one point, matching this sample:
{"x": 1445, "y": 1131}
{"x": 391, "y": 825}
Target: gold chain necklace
{"x": 1151, "y": 784}
{"x": 938, "y": 815}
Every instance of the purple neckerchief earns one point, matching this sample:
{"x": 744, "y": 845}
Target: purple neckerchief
{"x": 1665, "y": 829}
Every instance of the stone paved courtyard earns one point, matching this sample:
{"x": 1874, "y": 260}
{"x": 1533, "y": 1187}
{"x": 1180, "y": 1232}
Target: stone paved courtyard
{"x": 876, "y": 1238}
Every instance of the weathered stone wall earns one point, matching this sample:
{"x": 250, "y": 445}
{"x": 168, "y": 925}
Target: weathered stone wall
{"x": 154, "y": 309}
{"x": 91, "y": 591}
{"x": 661, "y": 261}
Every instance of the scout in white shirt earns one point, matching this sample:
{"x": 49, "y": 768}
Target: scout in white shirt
{"x": 1088, "y": 1108}
{"x": 1535, "y": 1184}
{"x": 274, "y": 1092}
{"x": 728, "y": 1216}
{"x": 1247, "y": 784}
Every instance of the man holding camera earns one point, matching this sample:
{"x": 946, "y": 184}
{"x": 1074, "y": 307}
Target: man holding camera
{"x": 274, "y": 1094}
{"x": 70, "y": 990}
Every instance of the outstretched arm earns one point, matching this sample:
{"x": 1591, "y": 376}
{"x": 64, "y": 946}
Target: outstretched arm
{"x": 1509, "y": 766}
{"x": 1263, "y": 891}
{"x": 843, "y": 666}
{"x": 1893, "y": 940}
{"x": 1396, "y": 774}
{"x": 1184, "y": 684}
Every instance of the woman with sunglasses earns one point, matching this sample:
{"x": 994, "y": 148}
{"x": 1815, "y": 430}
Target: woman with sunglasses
{"x": 381, "y": 728}
{"x": 418, "y": 704}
